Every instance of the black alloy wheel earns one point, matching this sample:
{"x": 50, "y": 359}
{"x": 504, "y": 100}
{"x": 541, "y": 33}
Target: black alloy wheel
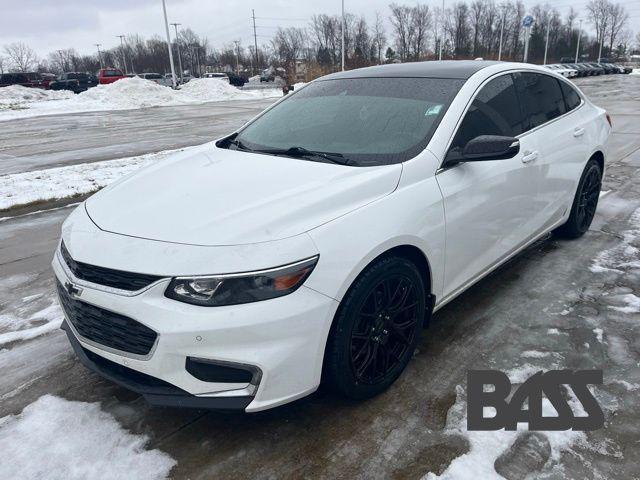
{"x": 384, "y": 329}
{"x": 585, "y": 202}
{"x": 376, "y": 328}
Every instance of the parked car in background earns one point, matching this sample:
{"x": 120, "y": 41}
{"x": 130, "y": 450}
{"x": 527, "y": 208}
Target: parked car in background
{"x": 615, "y": 68}
{"x": 599, "y": 69}
{"x": 109, "y": 75}
{"x": 236, "y": 80}
{"x": 582, "y": 70}
{"x": 220, "y": 76}
{"x": 267, "y": 75}
{"x": 47, "y": 78}
{"x": 153, "y": 77}
{"x": 563, "y": 70}
{"x": 75, "y": 82}
{"x": 23, "y": 79}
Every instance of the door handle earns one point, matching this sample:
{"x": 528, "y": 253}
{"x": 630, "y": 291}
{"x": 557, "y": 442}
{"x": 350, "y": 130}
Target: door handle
{"x": 529, "y": 156}
{"x": 578, "y": 132}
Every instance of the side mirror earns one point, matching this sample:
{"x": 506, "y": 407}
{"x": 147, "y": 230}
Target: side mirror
{"x": 490, "y": 147}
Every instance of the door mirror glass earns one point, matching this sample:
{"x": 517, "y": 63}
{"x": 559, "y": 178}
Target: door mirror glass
{"x": 490, "y": 147}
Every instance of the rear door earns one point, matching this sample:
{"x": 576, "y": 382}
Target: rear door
{"x": 490, "y": 206}
{"x": 556, "y": 124}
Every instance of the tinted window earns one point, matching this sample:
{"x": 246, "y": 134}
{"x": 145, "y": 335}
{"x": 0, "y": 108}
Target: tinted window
{"x": 112, "y": 73}
{"x": 370, "y": 121}
{"x": 495, "y": 111}
{"x": 541, "y": 98}
{"x": 571, "y": 97}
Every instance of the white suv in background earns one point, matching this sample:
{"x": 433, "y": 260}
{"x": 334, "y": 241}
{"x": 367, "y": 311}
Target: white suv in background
{"x": 313, "y": 244}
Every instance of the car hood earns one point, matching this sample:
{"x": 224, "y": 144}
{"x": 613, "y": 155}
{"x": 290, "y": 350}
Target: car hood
{"x": 211, "y": 196}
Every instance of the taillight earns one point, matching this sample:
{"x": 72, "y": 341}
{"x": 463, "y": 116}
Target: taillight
{"x": 609, "y": 119}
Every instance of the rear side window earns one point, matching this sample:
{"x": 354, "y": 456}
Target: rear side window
{"x": 494, "y": 111}
{"x": 541, "y": 98}
{"x": 571, "y": 98}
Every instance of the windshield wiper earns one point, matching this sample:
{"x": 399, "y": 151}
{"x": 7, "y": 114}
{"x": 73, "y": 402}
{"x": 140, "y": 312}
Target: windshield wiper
{"x": 232, "y": 140}
{"x": 303, "y": 152}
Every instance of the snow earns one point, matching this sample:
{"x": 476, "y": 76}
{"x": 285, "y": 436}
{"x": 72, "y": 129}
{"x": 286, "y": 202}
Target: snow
{"x": 15, "y": 96}
{"x": 632, "y": 304}
{"x": 51, "y": 316}
{"x": 636, "y": 71}
{"x": 55, "y": 438}
{"x": 625, "y": 254}
{"x": 487, "y": 446}
{"x": 125, "y": 94}
{"x": 64, "y": 182}
{"x": 599, "y": 334}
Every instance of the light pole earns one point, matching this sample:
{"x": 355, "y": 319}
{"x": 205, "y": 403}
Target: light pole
{"x": 175, "y": 25}
{"x": 601, "y": 42}
{"x": 501, "y": 34}
{"x": 237, "y": 42}
{"x": 578, "y": 46}
{"x": 441, "y": 32}
{"x": 342, "y": 31}
{"x": 99, "y": 54}
{"x": 166, "y": 29}
{"x": 546, "y": 43}
{"x": 124, "y": 59}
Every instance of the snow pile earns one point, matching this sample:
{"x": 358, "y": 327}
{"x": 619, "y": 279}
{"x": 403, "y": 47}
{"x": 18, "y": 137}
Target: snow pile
{"x": 126, "y": 94}
{"x": 73, "y": 180}
{"x": 17, "y": 94}
{"x": 214, "y": 90}
{"x": 54, "y": 438}
{"x": 636, "y": 71}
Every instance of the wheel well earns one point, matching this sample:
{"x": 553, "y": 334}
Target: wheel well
{"x": 415, "y": 255}
{"x": 599, "y": 157}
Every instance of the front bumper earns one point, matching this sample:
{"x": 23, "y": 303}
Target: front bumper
{"x": 282, "y": 338}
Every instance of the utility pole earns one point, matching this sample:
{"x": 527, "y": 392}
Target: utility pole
{"x": 237, "y": 42}
{"x": 501, "y": 35}
{"x": 255, "y": 39}
{"x": 441, "y": 32}
{"x": 342, "y": 31}
{"x": 178, "y": 47}
{"x": 546, "y": 43}
{"x": 124, "y": 59}
{"x": 99, "y": 54}
{"x": 166, "y": 28}
{"x": 578, "y": 46}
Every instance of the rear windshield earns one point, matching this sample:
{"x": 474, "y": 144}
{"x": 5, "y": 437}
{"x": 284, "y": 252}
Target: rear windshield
{"x": 369, "y": 121}
{"x": 152, "y": 76}
{"x": 112, "y": 73}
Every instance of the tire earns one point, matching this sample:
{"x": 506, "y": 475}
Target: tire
{"x": 585, "y": 202}
{"x": 379, "y": 321}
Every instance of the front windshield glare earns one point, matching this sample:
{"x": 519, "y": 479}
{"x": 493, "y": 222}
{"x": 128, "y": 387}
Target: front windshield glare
{"x": 369, "y": 121}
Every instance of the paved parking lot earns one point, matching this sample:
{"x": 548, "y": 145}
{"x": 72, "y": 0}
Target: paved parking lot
{"x": 561, "y": 304}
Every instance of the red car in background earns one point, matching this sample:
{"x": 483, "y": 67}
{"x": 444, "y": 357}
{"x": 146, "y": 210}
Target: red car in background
{"x": 109, "y": 75}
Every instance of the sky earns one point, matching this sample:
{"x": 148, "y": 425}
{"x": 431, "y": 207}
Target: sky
{"x": 48, "y": 25}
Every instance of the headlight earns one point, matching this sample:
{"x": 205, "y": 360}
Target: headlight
{"x": 236, "y": 288}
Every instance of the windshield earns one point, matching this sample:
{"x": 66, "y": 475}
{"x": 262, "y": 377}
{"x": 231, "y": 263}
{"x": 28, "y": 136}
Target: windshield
{"x": 368, "y": 121}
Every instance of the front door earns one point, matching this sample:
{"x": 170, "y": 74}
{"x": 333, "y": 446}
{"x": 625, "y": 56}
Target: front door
{"x": 490, "y": 206}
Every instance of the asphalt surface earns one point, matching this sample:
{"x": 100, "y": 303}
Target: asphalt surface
{"x": 545, "y": 300}
{"x": 57, "y": 140}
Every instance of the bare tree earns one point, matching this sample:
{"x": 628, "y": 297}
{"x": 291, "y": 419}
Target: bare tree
{"x": 21, "y": 57}
{"x": 403, "y": 29}
{"x": 420, "y": 26}
{"x": 2, "y": 62}
{"x": 379, "y": 37}
{"x": 599, "y": 15}
{"x": 618, "y": 18}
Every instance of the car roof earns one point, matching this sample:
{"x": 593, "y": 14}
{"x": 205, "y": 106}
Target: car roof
{"x": 453, "y": 69}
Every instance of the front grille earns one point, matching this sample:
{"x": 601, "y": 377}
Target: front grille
{"x": 106, "y": 276}
{"x": 107, "y": 328}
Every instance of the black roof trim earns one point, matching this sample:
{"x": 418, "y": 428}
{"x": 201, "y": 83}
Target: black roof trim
{"x": 454, "y": 69}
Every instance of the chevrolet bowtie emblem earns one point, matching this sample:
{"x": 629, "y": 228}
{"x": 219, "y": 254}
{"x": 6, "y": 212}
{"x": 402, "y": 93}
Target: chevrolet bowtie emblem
{"x": 72, "y": 289}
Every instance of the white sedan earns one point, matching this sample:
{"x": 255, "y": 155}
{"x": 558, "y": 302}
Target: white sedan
{"x": 313, "y": 244}
{"x": 563, "y": 70}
